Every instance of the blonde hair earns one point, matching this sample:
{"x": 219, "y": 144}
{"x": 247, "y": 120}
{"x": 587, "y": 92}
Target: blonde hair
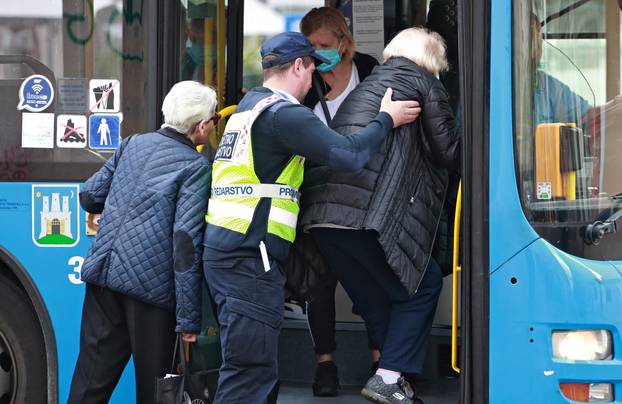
{"x": 331, "y": 19}
{"x": 422, "y": 46}
{"x": 186, "y": 104}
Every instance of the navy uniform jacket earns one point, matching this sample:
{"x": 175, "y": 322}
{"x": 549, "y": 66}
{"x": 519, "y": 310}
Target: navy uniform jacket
{"x": 283, "y": 130}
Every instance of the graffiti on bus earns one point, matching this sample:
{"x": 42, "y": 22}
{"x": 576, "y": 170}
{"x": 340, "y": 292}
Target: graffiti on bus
{"x": 132, "y": 13}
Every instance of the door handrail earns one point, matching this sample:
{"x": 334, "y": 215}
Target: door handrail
{"x": 224, "y": 113}
{"x": 456, "y": 278}
{"x": 34, "y": 64}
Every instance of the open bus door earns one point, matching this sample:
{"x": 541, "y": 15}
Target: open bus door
{"x": 442, "y": 383}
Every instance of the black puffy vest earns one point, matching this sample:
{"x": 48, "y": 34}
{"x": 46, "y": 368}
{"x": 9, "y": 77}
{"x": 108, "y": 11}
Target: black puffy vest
{"x": 401, "y": 191}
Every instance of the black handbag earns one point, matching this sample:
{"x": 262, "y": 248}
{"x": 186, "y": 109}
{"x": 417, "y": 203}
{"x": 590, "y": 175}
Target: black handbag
{"x": 184, "y": 387}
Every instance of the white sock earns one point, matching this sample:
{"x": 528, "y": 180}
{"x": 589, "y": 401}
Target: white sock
{"x": 388, "y": 376}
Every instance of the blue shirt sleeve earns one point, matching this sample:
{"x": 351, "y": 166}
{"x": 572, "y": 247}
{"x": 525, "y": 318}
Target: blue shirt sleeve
{"x": 298, "y": 131}
{"x": 556, "y": 102}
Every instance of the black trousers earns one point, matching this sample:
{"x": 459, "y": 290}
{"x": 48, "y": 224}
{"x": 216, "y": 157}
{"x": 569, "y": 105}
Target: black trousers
{"x": 321, "y": 318}
{"x": 115, "y": 327}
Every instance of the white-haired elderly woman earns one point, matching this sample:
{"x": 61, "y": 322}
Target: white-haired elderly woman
{"x": 143, "y": 271}
{"x": 376, "y": 228}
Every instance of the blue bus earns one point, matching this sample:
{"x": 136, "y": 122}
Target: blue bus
{"x": 532, "y": 313}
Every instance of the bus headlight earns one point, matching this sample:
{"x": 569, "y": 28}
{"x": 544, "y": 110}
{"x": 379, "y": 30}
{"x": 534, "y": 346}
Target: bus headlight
{"x": 582, "y": 345}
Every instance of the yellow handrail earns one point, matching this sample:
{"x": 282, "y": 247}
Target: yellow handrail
{"x": 221, "y": 43}
{"x": 456, "y": 278}
{"x": 227, "y": 111}
{"x": 224, "y": 113}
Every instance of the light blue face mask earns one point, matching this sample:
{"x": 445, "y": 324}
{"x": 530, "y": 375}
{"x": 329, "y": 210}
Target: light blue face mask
{"x": 332, "y": 55}
{"x": 196, "y": 53}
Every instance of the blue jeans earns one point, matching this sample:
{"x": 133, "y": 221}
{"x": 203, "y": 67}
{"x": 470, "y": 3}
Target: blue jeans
{"x": 396, "y": 322}
{"x": 250, "y": 312}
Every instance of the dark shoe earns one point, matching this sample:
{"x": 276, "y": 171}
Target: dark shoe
{"x": 326, "y": 380}
{"x": 374, "y": 368}
{"x": 378, "y": 391}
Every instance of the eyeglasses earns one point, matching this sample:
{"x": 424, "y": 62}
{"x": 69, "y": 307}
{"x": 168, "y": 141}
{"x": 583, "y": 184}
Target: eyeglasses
{"x": 216, "y": 117}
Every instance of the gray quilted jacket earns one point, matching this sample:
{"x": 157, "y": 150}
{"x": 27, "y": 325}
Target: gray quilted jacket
{"x": 153, "y": 196}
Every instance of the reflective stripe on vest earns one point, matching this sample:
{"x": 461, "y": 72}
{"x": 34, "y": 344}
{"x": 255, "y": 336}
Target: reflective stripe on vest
{"x": 236, "y": 189}
{"x": 256, "y": 190}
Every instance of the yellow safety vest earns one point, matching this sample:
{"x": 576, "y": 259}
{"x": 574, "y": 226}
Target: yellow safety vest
{"x": 236, "y": 190}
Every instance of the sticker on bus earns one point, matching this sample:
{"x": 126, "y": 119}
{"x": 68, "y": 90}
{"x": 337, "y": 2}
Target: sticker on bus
{"x": 104, "y": 131}
{"x": 55, "y": 215}
{"x": 35, "y": 94}
{"x": 37, "y": 130}
{"x": 73, "y": 95}
{"x": 71, "y": 131}
{"x": 104, "y": 95}
{"x": 544, "y": 190}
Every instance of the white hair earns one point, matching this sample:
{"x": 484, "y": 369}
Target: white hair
{"x": 422, "y": 46}
{"x": 188, "y": 103}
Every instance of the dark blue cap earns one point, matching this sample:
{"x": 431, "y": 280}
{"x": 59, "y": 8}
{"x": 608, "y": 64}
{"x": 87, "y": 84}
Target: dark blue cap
{"x": 286, "y": 47}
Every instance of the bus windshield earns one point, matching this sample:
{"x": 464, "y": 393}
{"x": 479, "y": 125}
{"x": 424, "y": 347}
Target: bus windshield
{"x": 568, "y": 119}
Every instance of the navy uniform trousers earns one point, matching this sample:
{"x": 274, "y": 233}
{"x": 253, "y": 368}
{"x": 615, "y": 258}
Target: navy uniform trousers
{"x": 396, "y": 322}
{"x": 250, "y": 312}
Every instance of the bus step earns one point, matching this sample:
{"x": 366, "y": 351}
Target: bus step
{"x": 437, "y": 392}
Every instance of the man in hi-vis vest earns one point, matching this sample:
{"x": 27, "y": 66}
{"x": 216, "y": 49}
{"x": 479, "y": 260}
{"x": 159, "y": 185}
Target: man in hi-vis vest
{"x": 252, "y": 213}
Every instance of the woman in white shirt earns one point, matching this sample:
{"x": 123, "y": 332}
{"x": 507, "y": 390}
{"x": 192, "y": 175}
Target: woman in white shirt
{"x": 327, "y": 30}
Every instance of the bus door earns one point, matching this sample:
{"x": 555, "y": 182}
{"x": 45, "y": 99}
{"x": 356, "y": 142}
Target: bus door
{"x": 378, "y": 22}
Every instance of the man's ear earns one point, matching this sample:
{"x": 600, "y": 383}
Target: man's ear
{"x": 298, "y": 66}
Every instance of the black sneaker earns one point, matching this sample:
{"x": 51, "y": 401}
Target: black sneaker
{"x": 326, "y": 380}
{"x": 374, "y": 368}
{"x": 377, "y": 391}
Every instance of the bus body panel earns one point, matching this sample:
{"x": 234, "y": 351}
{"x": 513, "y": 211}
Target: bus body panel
{"x": 510, "y": 231}
{"x": 533, "y": 284}
{"x": 617, "y": 265}
{"x": 58, "y": 280}
{"x": 540, "y": 290}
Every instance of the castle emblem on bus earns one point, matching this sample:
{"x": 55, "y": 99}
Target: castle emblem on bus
{"x": 55, "y": 210}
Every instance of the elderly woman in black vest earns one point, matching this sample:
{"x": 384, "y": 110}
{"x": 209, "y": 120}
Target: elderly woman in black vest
{"x": 376, "y": 228}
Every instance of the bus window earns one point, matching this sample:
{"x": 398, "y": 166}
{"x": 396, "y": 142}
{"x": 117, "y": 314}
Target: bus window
{"x": 567, "y": 120}
{"x": 276, "y": 17}
{"x": 198, "y": 47}
{"x": 71, "y": 44}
